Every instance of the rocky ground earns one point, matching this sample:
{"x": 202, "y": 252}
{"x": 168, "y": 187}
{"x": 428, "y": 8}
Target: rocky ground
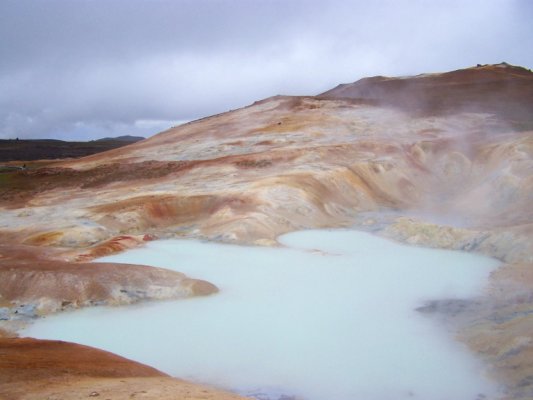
{"x": 439, "y": 160}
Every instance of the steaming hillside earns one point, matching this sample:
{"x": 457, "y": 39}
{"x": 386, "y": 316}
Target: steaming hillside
{"x": 440, "y": 160}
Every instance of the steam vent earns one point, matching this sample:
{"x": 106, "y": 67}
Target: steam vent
{"x": 439, "y": 160}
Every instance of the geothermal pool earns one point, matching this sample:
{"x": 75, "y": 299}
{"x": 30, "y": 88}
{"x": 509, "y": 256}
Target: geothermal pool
{"x": 329, "y": 316}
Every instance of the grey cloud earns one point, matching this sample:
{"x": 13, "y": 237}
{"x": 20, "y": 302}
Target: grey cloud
{"x": 85, "y": 69}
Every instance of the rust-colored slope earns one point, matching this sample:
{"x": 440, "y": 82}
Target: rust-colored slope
{"x": 46, "y": 369}
{"x": 502, "y": 89}
{"x": 50, "y": 286}
{"x": 35, "y": 281}
{"x": 31, "y": 359}
{"x": 280, "y": 165}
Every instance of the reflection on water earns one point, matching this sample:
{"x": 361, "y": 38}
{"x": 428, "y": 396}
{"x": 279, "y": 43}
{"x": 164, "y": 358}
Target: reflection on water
{"x": 331, "y": 316}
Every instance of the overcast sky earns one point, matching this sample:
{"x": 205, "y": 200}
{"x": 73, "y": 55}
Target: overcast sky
{"x": 88, "y": 69}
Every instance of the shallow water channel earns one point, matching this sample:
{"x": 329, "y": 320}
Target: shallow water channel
{"x": 330, "y": 316}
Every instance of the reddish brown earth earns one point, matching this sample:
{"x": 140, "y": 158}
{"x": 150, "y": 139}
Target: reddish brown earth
{"x": 45, "y": 369}
{"x": 35, "y": 283}
{"x": 439, "y": 160}
{"x": 502, "y": 90}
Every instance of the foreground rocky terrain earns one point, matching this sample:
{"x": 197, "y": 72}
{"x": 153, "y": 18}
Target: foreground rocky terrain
{"x": 438, "y": 160}
{"x": 43, "y": 369}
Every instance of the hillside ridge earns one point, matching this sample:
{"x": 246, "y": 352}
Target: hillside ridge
{"x": 439, "y": 160}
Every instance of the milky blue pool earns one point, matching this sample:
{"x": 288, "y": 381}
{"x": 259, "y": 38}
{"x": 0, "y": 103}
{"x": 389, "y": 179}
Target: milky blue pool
{"x": 330, "y": 316}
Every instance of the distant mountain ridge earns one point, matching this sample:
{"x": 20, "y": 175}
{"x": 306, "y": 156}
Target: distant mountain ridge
{"x": 124, "y": 138}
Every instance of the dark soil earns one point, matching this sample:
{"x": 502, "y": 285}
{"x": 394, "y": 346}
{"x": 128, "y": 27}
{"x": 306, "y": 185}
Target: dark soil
{"x": 48, "y": 149}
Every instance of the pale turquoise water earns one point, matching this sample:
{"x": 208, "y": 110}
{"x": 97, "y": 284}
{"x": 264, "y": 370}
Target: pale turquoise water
{"x": 329, "y": 317}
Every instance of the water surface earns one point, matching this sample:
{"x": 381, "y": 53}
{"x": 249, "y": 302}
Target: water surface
{"x": 331, "y": 316}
